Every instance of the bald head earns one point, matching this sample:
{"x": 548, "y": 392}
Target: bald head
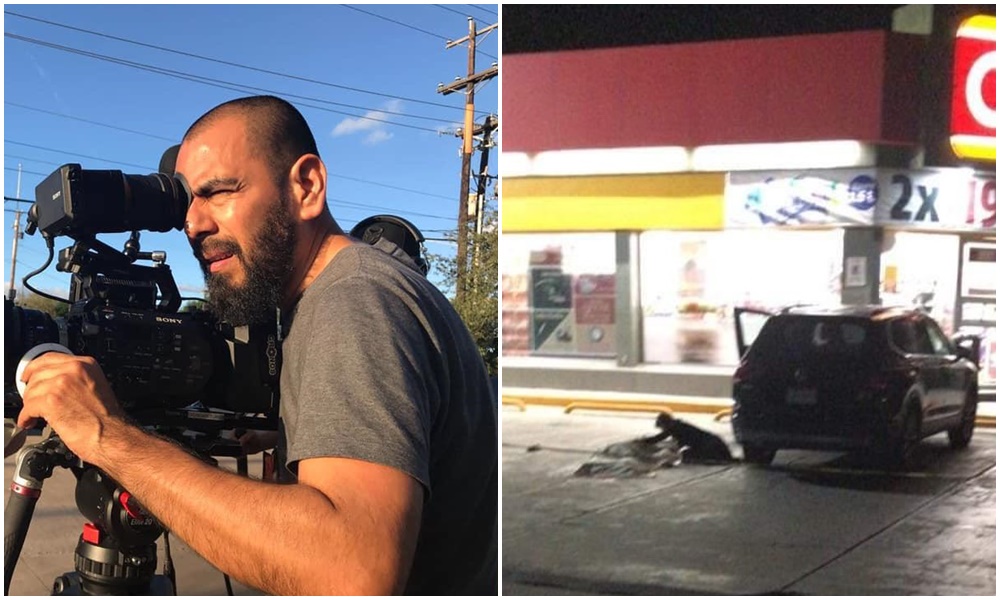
{"x": 276, "y": 131}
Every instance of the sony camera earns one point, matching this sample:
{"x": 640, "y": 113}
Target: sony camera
{"x": 166, "y": 367}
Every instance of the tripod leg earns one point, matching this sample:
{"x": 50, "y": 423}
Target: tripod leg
{"x": 34, "y": 465}
{"x": 17, "y": 518}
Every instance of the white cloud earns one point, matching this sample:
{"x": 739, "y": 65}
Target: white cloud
{"x": 372, "y": 122}
{"x": 379, "y": 135}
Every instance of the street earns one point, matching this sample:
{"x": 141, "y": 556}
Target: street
{"x": 812, "y": 523}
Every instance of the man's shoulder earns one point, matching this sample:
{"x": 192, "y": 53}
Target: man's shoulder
{"x": 364, "y": 279}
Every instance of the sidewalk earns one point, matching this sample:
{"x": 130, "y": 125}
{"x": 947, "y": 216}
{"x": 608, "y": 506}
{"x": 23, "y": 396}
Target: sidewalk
{"x": 573, "y": 400}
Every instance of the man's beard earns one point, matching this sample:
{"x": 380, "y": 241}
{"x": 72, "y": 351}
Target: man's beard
{"x": 265, "y": 266}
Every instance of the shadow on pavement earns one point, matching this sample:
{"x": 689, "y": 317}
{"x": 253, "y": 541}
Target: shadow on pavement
{"x": 520, "y": 582}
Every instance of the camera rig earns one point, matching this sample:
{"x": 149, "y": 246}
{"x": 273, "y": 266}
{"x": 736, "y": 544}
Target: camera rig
{"x": 182, "y": 375}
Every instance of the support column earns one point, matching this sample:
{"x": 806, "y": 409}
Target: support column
{"x": 862, "y": 265}
{"x": 628, "y": 305}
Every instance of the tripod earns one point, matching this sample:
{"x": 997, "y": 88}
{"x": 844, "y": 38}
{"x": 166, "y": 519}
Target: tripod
{"x": 116, "y": 553}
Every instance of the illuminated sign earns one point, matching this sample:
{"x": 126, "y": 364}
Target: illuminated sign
{"x": 974, "y": 90}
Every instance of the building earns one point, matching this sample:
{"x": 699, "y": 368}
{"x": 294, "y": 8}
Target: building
{"x": 648, "y": 191}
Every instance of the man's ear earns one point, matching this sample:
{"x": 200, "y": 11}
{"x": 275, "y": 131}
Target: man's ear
{"x": 308, "y": 185}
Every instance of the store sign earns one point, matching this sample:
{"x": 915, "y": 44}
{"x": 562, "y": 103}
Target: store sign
{"x": 927, "y": 199}
{"x": 790, "y": 198}
{"x": 974, "y": 90}
{"x": 942, "y": 199}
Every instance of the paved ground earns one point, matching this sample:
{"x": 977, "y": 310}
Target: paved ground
{"x": 56, "y": 526}
{"x": 814, "y": 523}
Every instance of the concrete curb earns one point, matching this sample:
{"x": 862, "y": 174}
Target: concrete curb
{"x": 603, "y": 401}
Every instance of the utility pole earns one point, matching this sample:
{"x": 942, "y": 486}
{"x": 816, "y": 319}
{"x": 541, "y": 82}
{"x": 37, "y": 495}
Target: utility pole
{"x": 469, "y": 83}
{"x": 12, "y": 290}
{"x": 482, "y": 180}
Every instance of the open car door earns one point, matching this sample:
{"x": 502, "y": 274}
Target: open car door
{"x": 749, "y": 322}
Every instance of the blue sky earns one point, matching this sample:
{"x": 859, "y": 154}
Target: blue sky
{"x": 62, "y": 107}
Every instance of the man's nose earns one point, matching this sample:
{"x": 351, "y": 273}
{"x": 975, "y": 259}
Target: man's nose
{"x": 198, "y": 222}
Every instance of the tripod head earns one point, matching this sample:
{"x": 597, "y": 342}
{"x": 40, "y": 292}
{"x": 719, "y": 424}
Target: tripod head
{"x": 116, "y": 553}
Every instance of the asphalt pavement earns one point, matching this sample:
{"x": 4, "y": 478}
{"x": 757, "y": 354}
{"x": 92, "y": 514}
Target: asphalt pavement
{"x": 813, "y": 523}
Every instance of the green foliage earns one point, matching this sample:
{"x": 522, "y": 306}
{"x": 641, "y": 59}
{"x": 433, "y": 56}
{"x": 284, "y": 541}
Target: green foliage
{"x": 479, "y": 305}
{"x": 35, "y": 302}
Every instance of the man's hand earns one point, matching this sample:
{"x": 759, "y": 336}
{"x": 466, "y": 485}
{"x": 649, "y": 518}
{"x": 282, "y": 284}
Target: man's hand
{"x": 72, "y": 394}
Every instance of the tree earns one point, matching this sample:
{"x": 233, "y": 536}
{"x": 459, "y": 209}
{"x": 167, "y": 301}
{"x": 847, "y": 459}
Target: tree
{"x": 53, "y": 308}
{"x": 478, "y": 307}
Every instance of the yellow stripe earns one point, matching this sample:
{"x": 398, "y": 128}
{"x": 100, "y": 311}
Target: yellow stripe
{"x": 983, "y": 27}
{"x": 969, "y": 146}
{"x": 625, "y": 202}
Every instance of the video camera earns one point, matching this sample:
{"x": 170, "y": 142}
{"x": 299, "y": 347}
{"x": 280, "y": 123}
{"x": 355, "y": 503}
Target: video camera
{"x": 167, "y": 368}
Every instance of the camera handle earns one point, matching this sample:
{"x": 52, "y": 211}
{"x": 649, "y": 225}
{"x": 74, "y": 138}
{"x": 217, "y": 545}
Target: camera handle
{"x": 33, "y": 465}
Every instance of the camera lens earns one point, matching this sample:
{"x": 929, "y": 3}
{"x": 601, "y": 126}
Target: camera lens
{"x": 24, "y": 329}
{"x": 73, "y": 200}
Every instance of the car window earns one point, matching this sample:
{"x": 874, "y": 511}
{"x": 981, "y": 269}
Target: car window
{"x": 904, "y": 335}
{"x": 939, "y": 342}
{"x": 822, "y": 335}
{"x": 924, "y": 345}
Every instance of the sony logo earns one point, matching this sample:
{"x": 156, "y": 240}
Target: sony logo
{"x": 169, "y": 320}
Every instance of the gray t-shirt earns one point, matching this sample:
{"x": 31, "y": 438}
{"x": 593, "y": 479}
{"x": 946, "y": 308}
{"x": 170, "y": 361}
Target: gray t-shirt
{"x": 378, "y": 366}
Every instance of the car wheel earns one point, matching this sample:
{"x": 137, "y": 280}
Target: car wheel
{"x": 901, "y": 449}
{"x": 960, "y": 436}
{"x": 758, "y": 455}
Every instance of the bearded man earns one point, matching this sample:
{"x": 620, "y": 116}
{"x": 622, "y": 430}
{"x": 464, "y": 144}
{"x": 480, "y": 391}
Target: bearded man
{"x": 388, "y": 430}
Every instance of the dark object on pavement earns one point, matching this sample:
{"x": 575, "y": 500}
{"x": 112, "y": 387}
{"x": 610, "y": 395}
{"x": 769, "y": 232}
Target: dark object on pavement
{"x": 697, "y": 445}
{"x": 634, "y": 458}
{"x": 851, "y": 378}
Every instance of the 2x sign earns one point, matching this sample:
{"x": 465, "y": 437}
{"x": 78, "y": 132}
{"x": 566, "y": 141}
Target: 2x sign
{"x": 938, "y": 200}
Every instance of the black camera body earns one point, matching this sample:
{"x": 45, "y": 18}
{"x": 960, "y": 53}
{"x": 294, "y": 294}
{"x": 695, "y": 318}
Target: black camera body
{"x": 166, "y": 367}
{"x": 156, "y": 361}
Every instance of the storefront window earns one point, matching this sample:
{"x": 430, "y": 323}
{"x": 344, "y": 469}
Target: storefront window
{"x": 921, "y": 269}
{"x": 691, "y": 281}
{"x": 558, "y": 294}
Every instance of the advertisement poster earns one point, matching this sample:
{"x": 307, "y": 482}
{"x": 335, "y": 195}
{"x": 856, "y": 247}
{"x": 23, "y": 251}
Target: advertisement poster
{"x": 937, "y": 199}
{"x": 516, "y": 314}
{"x": 789, "y": 198}
{"x": 552, "y": 328}
{"x": 571, "y": 314}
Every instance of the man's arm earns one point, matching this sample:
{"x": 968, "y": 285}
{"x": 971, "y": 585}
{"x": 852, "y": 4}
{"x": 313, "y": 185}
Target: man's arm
{"x": 347, "y": 527}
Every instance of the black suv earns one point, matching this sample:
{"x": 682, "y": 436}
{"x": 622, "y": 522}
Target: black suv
{"x": 850, "y": 378}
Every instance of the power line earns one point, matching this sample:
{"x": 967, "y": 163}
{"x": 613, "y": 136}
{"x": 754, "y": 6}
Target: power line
{"x": 50, "y": 112}
{"x": 234, "y": 64}
{"x": 365, "y": 205}
{"x": 449, "y": 9}
{"x": 19, "y": 157}
{"x": 407, "y": 25}
{"x": 117, "y": 162}
{"x": 385, "y": 185}
{"x": 28, "y": 172}
{"x": 357, "y": 179}
{"x": 238, "y": 87}
{"x": 485, "y": 10}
